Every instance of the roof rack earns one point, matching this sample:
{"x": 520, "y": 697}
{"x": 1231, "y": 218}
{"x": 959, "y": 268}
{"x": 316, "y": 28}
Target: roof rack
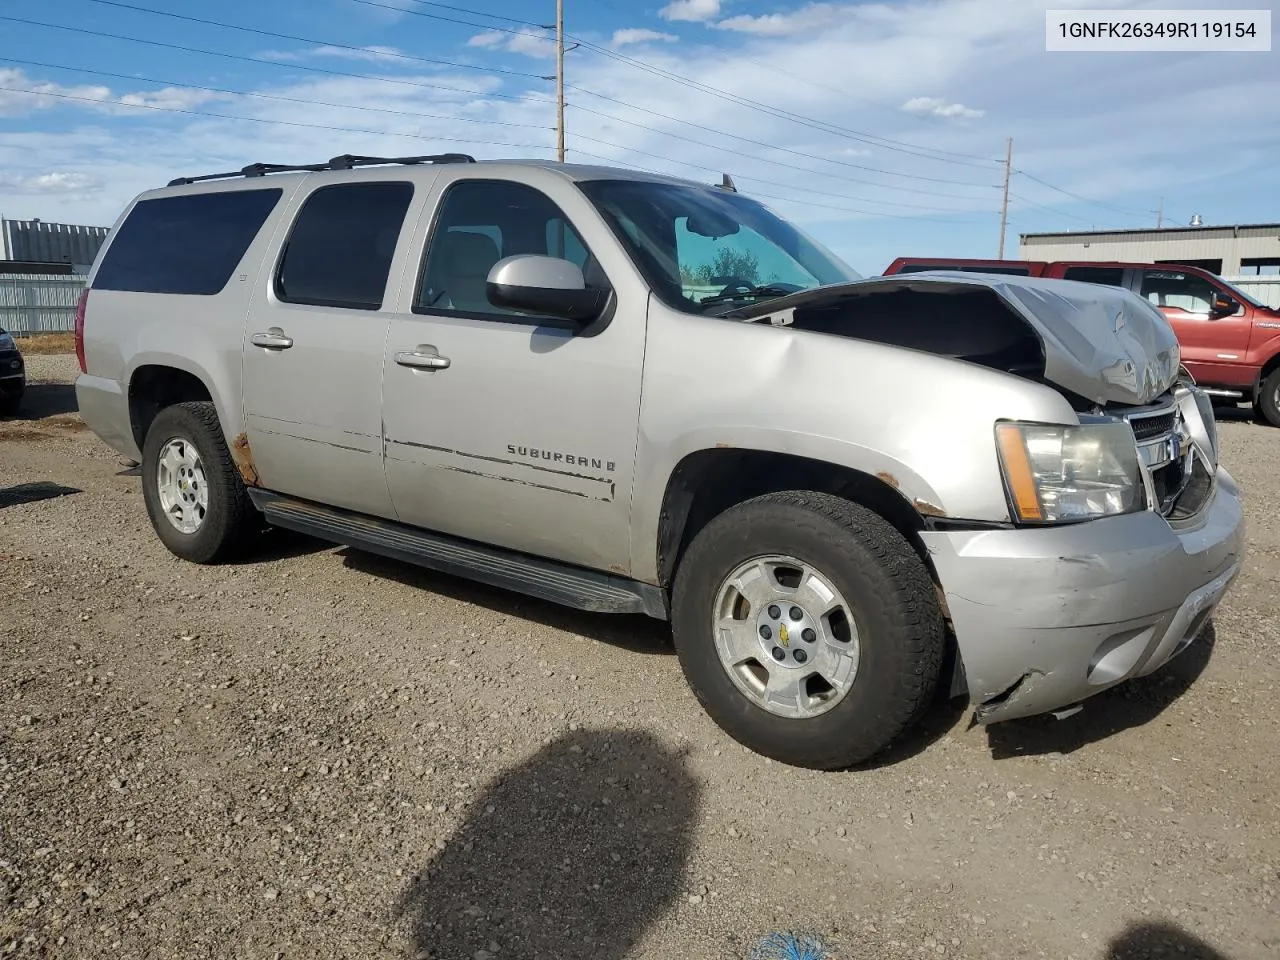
{"x": 346, "y": 161}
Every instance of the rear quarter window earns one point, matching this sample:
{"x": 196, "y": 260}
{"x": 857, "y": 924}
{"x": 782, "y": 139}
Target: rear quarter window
{"x": 188, "y": 244}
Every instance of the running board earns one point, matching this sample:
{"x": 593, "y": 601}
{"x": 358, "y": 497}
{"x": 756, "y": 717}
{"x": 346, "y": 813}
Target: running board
{"x": 567, "y": 585}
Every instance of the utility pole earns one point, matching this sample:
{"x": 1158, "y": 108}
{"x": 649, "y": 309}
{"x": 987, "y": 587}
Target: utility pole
{"x": 1160, "y": 215}
{"x": 560, "y": 80}
{"x": 1004, "y": 206}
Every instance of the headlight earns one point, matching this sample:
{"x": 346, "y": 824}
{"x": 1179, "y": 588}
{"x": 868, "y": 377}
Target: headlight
{"x": 1062, "y": 473}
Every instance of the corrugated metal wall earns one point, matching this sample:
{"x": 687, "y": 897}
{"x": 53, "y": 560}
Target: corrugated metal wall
{"x": 1264, "y": 289}
{"x": 52, "y": 242}
{"x": 1228, "y": 244}
{"x": 34, "y": 303}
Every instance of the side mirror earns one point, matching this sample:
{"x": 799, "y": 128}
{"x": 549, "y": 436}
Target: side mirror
{"x": 1222, "y": 306}
{"x": 546, "y": 286}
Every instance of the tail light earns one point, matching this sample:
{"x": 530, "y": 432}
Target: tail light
{"x": 80, "y": 306}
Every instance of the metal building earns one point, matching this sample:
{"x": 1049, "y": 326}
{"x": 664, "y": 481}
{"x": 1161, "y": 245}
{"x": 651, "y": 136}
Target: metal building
{"x": 1240, "y": 250}
{"x": 35, "y": 240}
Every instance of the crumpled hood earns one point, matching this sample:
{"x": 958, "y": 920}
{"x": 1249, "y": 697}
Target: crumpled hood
{"x": 1103, "y": 343}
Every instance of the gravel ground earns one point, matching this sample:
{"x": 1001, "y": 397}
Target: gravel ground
{"x": 323, "y": 754}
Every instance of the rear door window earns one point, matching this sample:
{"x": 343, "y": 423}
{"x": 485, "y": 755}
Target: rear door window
{"x": 188, "y": 244}
{"x": 340, "y": 249}
{"x": 1110, "y": 276}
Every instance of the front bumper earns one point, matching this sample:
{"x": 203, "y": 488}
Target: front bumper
{"x": 1047, "y": 617}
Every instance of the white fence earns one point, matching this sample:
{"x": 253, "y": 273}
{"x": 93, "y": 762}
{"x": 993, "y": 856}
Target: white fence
{"x": 36, "y": 303}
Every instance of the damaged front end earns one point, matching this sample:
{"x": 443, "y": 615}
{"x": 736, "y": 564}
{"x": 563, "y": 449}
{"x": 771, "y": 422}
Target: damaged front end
{"x": 1097, "y": 574}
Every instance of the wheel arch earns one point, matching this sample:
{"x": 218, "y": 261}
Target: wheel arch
{"x": 706, "y": 482}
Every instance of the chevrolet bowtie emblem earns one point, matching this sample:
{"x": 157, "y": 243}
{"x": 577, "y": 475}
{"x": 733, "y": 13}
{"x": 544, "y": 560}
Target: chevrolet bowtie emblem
{"x": 783, "y": 636}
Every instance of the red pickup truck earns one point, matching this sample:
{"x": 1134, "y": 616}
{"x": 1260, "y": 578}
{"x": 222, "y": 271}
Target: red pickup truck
{"x": 1230, "y": 342}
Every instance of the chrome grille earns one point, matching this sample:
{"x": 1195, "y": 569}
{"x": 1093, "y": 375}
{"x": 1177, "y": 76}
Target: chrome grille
{"x": 1153, "y": 426}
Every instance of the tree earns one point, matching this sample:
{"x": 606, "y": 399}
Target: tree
{"x": 728, "y": 264}
{"x": 731, "y": 264}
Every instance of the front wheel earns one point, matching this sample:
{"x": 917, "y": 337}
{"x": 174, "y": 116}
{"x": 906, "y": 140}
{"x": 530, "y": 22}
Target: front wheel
{"x": 808, "y": 628}
{"x": 1267, "y": 406}
{"x": 194, "y": 494}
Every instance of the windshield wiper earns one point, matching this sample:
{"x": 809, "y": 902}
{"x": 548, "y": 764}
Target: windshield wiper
{"x": 752, "y": 293}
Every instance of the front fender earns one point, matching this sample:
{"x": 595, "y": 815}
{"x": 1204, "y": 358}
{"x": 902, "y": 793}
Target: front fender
{"x": 921, "y": 423}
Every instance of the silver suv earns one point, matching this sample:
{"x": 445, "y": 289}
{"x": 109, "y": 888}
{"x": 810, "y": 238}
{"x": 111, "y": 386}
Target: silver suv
{"x": 636, "y": 394}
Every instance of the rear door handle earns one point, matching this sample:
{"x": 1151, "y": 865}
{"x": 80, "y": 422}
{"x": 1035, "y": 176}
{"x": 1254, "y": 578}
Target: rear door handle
{"x": 273, "y": 339}
{"x": 421, "y": 360}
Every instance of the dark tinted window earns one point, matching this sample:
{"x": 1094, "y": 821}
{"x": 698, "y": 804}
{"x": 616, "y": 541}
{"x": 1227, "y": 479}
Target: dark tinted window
{"x": 1111, "y": 276}
{"x": 186, "y": 244}
{"x": 923, "y": 267}
{"x": 482, "y": 222}
{"x": 339, "y": 252}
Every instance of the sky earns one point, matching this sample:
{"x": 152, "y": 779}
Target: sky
{"x": 879, "y": 127}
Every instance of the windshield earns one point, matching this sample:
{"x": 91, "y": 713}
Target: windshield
{"x": 705, "y": 250}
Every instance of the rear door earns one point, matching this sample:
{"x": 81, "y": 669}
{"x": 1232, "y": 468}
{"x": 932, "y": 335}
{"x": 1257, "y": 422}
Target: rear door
{"x": 524, "y": 434}
{"x": 314, "y": 342}
{"x": 1212, "y": 349}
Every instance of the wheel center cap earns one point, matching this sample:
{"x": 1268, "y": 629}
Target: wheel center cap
{"x": 787, "y": 634}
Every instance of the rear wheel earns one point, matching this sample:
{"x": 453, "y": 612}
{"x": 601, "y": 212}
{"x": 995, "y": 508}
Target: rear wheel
{"x": 194, "y": 495}
{"x": 808, "y": 628}
{"x": 1267, "y": 406}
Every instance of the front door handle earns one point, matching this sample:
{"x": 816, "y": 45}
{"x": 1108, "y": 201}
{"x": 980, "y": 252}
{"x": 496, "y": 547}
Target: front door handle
{"x": 273, "y": 339}
{"x": 421, "y": 360}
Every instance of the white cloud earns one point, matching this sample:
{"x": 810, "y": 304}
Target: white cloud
{"x": 375, "y": 54}
{"x": 697, "y": 11}
{"x": 44, "y": 95}
{"x": 58, "y": 181}
{"x": 490, "y": 38}
{"x": 531, "y": 43}
{"x": 640, "y": 35}
{"x": 173, "y": 98}
{"x": 810, "y": 17}
{"x": 935, "y": 107}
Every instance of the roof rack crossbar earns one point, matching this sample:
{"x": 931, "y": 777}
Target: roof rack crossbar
{"x": 346, "y": 161}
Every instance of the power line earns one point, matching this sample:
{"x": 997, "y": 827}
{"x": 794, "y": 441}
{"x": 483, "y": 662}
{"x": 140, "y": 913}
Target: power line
{"x": 405, "y": 113}
{"x": 821, "y": 125}
{"x": 1060, "y": 213}
{"x": 759, "y": 143}
{"x": 1076, "y": 196}
{"x": 476, "y": 13}
{"x": 286, "y": 123}
{"x": 322, "y": 43}
{"x": 117, "y": 3}
{"x": 778, "y": 163}
{"x": 270, "y": 96}
{"x": 885, "y": 142}
{"x": 275, "y": 63}
{"x": 698, "y": 166}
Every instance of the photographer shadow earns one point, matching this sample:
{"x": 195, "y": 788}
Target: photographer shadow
{"x": 573, "y": 854}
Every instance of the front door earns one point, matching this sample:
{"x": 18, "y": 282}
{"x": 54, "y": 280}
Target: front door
{"x": 313, "y": 348}
{"x": 503, "y": 428}
{"x": 1213, "y": 349}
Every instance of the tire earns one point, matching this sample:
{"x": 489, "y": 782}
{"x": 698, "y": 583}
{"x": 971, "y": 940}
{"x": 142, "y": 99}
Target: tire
{"x": 229, "y": 520}
{"x": 1267, "y": 406}
{"x": 887, "y": 590}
